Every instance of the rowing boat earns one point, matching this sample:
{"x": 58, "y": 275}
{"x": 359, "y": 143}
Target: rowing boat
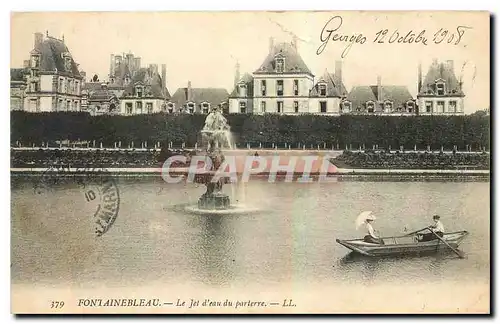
{"x": 405, "y": 244}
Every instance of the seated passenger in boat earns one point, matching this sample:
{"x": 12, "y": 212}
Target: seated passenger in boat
{"x": 371, "y": 237}
{"x": 437, "y": 227}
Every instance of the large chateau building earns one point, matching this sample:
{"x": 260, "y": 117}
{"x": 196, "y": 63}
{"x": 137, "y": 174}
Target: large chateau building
{"x": 284, "y": 84}
{"x": 440, "y": 92}
{"x": 49, "y": 81}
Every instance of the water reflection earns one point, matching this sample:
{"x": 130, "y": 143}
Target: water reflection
{"x": 213, "y": 252}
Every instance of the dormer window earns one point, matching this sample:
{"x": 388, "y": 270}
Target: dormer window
{"x": 35, "y": 61}
{"x": 322, "y": 90}
{"x": 205, "y": 107}
{"x": 388, "y": 106}
{"x": 370, "y": 106}
{"x": 346, "y": 106}
{"x": 242, "y": 90}
{"x": 170, "y": 107}
{"x": 139, "y": 91}
{"x": 190, "y": 107}
{"x": 410, "y": 106}
{"x": 440, "y": 88}
{"x": 280, "y": 65}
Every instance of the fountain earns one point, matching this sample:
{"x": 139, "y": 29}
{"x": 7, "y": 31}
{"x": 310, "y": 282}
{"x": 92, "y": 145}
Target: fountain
{"x": 215, "y": 136}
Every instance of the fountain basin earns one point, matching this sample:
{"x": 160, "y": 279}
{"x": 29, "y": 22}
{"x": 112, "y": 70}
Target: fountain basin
{"x": 234, "y": 209}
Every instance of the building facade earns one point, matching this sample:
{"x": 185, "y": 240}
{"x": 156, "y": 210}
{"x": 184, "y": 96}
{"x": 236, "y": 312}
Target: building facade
{"x": 197, "y": 100}
{"x": 440, "y": 92}
{"x": 380, "y": 99}
{"x": 52, "y": 79}
{"x": 284, "y": 84}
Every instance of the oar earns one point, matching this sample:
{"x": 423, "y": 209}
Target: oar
{"x": 460, "y": 255}
{"x": 416, "y": 231}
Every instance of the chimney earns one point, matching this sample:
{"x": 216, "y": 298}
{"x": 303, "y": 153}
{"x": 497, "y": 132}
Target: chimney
{"x": 163, "y": 76}
{"x": 237, "y": 74}
{"x": 26, "y": 63}
{"x": 271, "y": 44}
{"x": 137, "y": 63}
{"x": 419, "y": 85}
{"x": 112, "y": 65}
{"x": 338, "y": 71}
{"x": 379, "y": 89}
{"x": 450, "y": 65}
{"x": 189, "y": 92}
{"x": 38, "y": 39}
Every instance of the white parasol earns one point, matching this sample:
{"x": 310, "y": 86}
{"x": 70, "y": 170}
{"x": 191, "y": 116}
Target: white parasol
{"x": 361, "y": 219}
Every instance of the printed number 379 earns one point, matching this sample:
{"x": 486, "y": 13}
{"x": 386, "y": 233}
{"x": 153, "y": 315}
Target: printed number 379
{"x": 57, "y": 304}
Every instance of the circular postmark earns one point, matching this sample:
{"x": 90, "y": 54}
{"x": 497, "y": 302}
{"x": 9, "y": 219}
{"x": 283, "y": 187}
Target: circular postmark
{"x": 97, "y": 186}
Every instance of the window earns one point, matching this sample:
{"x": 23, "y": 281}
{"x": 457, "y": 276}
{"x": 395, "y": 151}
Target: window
{"x": 242, "y": 90}
{"x": 77, "y": 87}
{"x": 128, "y": 108}
{"x": 67, "y": 63}
{"x": 33, "y": 105}
{"x": 370, "y": 106}
{"x": 322, "y": 90}
{"x": 440, "y": 88}
{"x": 346, "y": 106}
{"x": 35, "y": 61}
{"x": 295, "y": 87}
{"x": 410, "y": 106}
{"x": 138, "y": 106}
{"x": 263, "y": 106}
{"x": 440, "y": 106}
{"x": 204, "y": 107}
{"x": 170, "y": 107}
{"x": 280, "y": 106}
{"x": 322, "y": 106}
{"x": 388, "y": 106}
{"x": 263, "y": 87}
{"x": 428, "y": 106}
{"x": 191, "y": 108}
{"x": 296, "y": 106}
{"x": 60, "y": 105}
{"x": 34, "y": 87}
{"x": 279, "y": 87}
{"x": 149, "y": 107}
{"x": 68, "y": 105}
{"x": 453, "y": 106}
{"x": 139, "y": 92}
{"x": 60, "y": 86}
{"x": 280, "y": 65}
{"x": 243, "y": 107}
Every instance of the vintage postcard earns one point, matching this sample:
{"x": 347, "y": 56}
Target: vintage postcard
{"x": 250, "y": 162}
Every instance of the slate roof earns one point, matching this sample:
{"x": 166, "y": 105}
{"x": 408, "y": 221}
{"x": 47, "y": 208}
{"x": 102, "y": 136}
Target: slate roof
{"x": 17, "y": 74}
{"x": 442, "y": 71}
{"x": 214, "y": 96}
{"x": 334, "y": 86}
{"x": 293, "y": 61}
{"x": 152, "y": 82}
{"x": 51, "y": 52}
{"x": 247, "y": 79}
{"x": 359, "y": 95}
{"x": 102, "y": 95}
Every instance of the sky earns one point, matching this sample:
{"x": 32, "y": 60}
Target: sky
{"x": 204, "y": 47}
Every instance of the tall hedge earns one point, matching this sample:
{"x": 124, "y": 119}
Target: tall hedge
{"x": 269, "y": 129}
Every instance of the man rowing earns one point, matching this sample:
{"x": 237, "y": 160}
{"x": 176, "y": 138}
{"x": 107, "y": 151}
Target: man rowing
{"x": 437, "y": 227}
